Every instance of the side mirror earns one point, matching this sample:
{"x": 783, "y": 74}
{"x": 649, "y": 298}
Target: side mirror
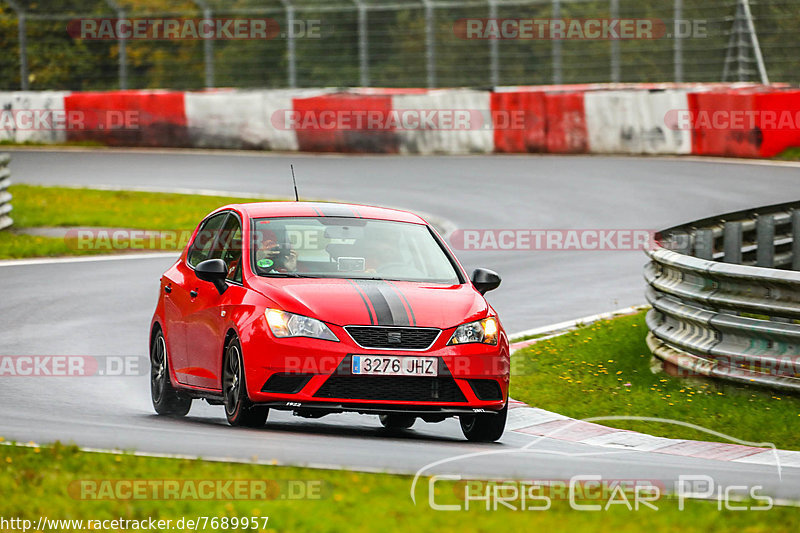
{"x": 485, "y": 280}
{"x": 214, "y": 271}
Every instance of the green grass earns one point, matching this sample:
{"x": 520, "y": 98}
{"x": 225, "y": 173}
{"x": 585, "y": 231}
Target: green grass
{"x": 46, "y": 482}
{"x": 604, "y": 370}
{"x": 36, "y": 206}
{"x": 790, "y": 154}
{"x": 85, "y": 143}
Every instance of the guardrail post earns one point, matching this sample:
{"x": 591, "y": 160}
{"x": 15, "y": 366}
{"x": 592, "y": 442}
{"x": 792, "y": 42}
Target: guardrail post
{"x": 5, "y": 196}
{"x": 704, "y": 244}
{"x": 765, "y": 241}
{"x": 679, "y": 241}
{"x": 732, "y": 243}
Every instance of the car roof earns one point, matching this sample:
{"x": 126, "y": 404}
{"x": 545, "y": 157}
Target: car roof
{"x": 324, "y": 209}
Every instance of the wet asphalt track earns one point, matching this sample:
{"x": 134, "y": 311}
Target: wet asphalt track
{"x": 104, "y": 307}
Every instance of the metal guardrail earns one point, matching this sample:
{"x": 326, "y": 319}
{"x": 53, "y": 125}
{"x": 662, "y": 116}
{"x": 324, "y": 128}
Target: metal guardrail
{"x": 725, "y": 296}
{"x": 5, "y": 196}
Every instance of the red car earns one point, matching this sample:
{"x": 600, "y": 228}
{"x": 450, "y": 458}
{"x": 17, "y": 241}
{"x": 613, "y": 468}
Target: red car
{"x": 324, "y": 308}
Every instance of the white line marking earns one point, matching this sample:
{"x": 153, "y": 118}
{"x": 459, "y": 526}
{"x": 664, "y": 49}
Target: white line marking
{"x": 174, "y": 190}
{"x": 570, "y": 324}
{"x": 273, "y": 153}
{"x": 85, "y": 259}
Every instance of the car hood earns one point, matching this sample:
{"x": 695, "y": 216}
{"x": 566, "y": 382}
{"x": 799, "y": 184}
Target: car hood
{"x": 363, "y": 302}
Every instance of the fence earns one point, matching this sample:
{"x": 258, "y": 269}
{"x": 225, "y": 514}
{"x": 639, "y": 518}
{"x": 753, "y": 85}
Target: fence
{"x": 5, "y": 196}
{"x": 399, "y": 43}
{"x": 725, "y": 293}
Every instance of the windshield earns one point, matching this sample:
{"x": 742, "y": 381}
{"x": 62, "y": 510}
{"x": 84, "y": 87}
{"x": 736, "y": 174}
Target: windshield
{"x": 355, "y": 248}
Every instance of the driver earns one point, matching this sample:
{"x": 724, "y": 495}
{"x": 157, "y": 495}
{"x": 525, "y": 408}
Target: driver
{"x": 381, "y": 248}
{"x": 275, "y": 257}
{"x": 378, "y": 254}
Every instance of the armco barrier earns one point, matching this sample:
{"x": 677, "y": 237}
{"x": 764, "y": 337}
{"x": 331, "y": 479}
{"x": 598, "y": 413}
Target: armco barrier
{"x": 593, "y": 118}
{"x": 725, "y": 293}
{"x": 5, "y": 196}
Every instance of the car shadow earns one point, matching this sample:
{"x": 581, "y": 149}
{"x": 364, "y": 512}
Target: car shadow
{"x": 302, "y": 426}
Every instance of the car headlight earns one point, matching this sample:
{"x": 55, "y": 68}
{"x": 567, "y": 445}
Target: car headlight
{"x": 483, "y": 331}
{"x": 283, "y": 324}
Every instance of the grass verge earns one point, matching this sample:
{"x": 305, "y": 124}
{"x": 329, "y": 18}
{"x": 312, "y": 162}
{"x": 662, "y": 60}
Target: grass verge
{"x": 790, "y": 154}
{"x": 604, "y": 369}
{"x": 52, "y": 482}
{"x": 37, "y": 206}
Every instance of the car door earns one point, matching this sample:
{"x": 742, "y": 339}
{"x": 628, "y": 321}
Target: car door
{"x": 205, "y": 325}
{"x": 184, "y": 285}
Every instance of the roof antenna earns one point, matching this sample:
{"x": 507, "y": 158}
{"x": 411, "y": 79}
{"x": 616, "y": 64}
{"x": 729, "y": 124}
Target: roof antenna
{"x": 294, "y": 182}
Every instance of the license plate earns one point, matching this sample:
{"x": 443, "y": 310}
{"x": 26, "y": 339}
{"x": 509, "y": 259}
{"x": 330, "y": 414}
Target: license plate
{"x": 389, "y": 365}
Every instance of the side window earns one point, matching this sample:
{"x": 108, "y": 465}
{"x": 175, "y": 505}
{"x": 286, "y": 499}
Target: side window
{"x": 205, "y": 239}
{"x": 229, "y": 248}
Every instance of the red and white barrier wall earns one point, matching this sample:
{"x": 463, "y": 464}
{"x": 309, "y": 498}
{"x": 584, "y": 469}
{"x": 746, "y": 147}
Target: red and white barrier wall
{"x": 710, "y": 119}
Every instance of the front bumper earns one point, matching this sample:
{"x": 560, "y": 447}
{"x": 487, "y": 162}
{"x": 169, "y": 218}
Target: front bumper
{"x": 306, "y": 374}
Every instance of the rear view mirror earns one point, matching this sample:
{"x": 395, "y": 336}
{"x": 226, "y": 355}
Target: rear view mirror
{"x": 214, "y": 271}
{"x": 485, "y": 280}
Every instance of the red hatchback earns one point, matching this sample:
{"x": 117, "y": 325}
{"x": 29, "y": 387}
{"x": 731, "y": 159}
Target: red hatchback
{"x": 323, "y": 308}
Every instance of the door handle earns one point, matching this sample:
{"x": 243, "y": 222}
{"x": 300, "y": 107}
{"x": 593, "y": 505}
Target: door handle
{"x": 193, "y": 293}
{"x": 167, "y": 289}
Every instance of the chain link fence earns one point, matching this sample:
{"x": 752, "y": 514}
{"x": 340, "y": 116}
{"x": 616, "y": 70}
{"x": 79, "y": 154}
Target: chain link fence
{"x": 395, "y": 43}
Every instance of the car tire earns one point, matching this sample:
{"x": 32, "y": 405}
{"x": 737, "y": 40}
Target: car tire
{"x": 397, "y": 421}
{"x": 484, "y": 427}
{"x": 166, "y": 400}
{"x": 239, "y": 410}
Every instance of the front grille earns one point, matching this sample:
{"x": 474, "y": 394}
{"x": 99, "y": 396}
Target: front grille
{"x": 286, "y": 383}
{"x": 397, "y": 388}
{"x": 343, "y": 384}
{"x": 396, "y": 338}
{"x": 486, "y": 389}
